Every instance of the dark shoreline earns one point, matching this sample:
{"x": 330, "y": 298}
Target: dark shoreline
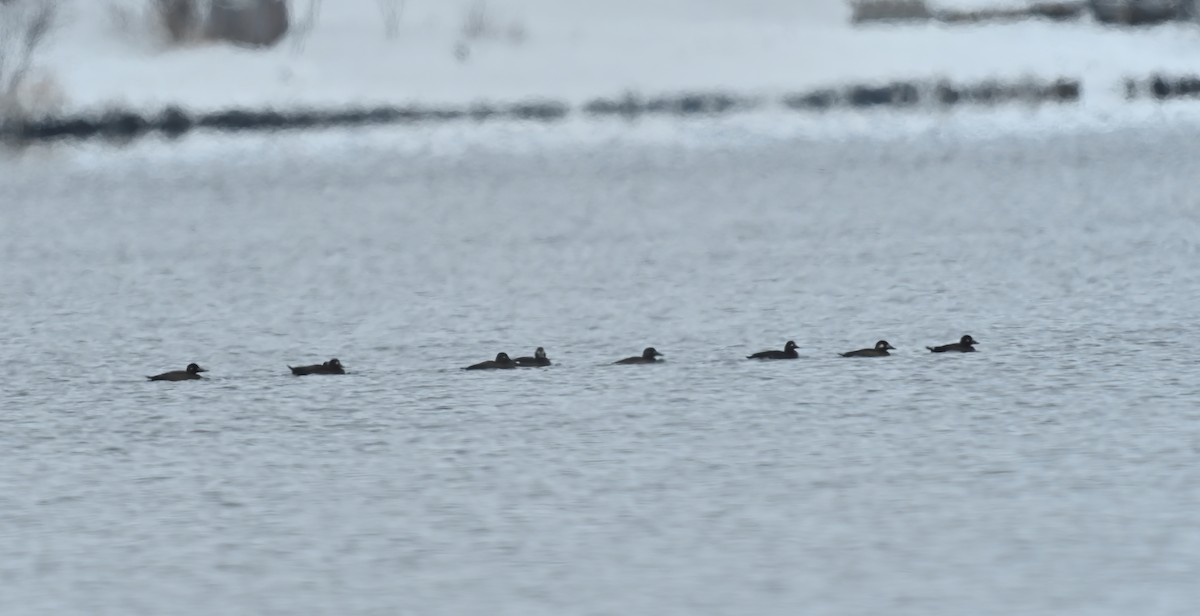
{"x": 175, "y": 121}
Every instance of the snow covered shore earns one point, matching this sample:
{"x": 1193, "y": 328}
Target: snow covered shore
{"x": 104, "y": 56}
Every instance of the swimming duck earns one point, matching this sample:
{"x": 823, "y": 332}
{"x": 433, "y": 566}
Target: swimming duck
{"x": 332, "y": 366}
{"x": 788, "y": 352}
{"x": 539, "y": 359}
{"x": 502, "y": 361}
{"x": 647, "y": 357}
{"x": 966, "y": 344}
{"x": 880, "y": 350}
{"x": 192, "y": 372}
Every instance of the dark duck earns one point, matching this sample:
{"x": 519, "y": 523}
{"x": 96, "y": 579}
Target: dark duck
{"x": 502, "y": 362}
{"x": 648, "y": 356}
{"x": 880, "y": 350}
{"x": 191, "y": 372}
{"x": 332, "y": 366}
{"x": 539, "y": 359}
{"x": 966, "y": 344}
{"x": 788, "y": 352}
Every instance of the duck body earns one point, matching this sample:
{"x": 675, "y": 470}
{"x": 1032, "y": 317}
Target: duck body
{"x": 966, "y": 344}
{"x": 191, "y": 373}
{"x": 502, "y": 362}
{"x": 880, "y": 350}
{"x": 332, "y": 366}
{"x": 648, "y": 356}
{"x": 539, "y": 359}
{"x": 788, "y": 352}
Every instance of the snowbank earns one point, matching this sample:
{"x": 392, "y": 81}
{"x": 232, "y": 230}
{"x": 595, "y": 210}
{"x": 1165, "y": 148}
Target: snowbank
{"x": 104, "y": 55}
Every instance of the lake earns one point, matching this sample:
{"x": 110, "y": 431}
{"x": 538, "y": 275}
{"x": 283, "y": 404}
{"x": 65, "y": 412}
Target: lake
{"x": 1053, "y": 472}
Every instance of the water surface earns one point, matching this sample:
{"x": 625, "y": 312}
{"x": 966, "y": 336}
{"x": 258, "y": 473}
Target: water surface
{"x": 1053, "y": 472}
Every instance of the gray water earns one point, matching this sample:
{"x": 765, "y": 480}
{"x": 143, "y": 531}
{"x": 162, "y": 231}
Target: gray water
{"x": 1054, "y": 472}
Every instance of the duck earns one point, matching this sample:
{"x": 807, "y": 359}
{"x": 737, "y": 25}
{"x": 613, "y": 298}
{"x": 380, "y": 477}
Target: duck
{"x": 502, "y": 362}
{"x": 332, "y": 366}
{"x": 191, "y": 372}
{"x": 966, "y": 344}
{"x": 539, "y": 359}
{"x": 788, "y": 352}
{"x": 880, "y": 350}
{"x": 648, "y": 356}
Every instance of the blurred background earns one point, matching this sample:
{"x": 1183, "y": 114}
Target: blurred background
{"x": 73, "y": 56}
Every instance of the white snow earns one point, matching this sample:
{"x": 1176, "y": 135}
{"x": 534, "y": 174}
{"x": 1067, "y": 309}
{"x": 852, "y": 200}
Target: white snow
{"x": 104, "y": 54}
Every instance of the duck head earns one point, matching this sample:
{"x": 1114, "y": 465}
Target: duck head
{"x": 883, "y": 345}
{"x": 651, "y": 353}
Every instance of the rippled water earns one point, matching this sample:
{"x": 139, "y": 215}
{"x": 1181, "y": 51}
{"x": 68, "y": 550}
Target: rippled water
{"x": 1053, "y": 472}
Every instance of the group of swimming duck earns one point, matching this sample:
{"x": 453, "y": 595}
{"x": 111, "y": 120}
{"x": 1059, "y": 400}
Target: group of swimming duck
{"x": 193, "y": 371}
{"x": 966, "y": 344}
